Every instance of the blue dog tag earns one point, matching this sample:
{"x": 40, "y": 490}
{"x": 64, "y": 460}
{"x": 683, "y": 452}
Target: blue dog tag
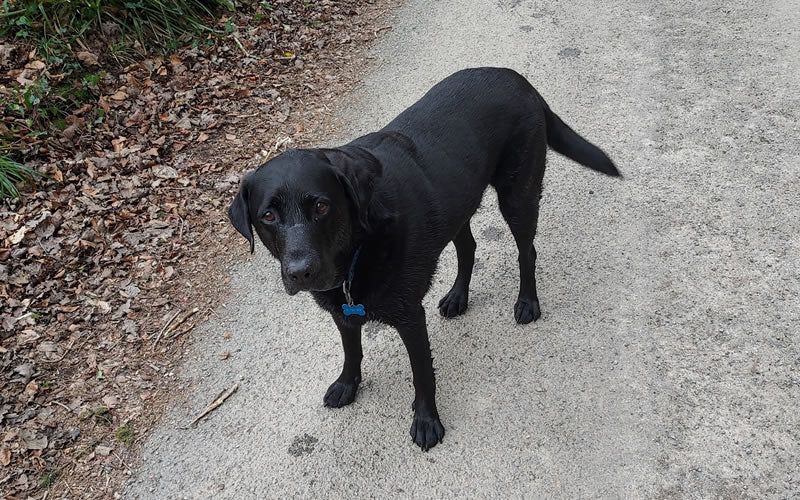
{"x": 357, "y": 309}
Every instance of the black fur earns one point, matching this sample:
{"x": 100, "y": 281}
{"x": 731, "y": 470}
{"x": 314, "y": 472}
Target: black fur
{"x": 401, "y": 195}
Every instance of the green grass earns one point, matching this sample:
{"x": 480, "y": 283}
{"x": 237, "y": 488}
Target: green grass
{"x": 63, "y": 26}
{"x": 12, "y": 173}
{"x": 125, "y": 434}
{"x": 48, "y": 479}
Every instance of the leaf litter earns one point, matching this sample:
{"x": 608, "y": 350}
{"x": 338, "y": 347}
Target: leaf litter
{"x": 126, "y": 242}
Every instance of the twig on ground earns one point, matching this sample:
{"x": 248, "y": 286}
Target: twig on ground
{"x": 236, "y": 39}
{"x": 214, "y": 405}
{"x": 182, "y": 332}
{"x": 158, "y": 337}
{"x": 381, "y": 30}
{"x": 122, "y": 461}
{"x": 183, "y": 320}
{"x": 62, "y": 405}
{"x": 66, "y": 483}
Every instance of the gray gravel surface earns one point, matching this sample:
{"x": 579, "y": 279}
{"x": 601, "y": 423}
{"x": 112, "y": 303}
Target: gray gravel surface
{"x": 666, "y": 362}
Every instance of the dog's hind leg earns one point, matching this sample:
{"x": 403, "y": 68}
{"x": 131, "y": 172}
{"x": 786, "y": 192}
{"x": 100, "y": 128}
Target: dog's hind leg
{"x": 519, "y": 186}
{"x": 522, "y": 221}
{"x": 455, "y": 302}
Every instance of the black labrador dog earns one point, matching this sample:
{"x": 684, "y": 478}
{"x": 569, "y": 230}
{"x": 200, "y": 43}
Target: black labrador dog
{"x": 362, "y": 226}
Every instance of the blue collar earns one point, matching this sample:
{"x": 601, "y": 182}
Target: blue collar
{"x": 352, "y": 272}
{"x": 348, "y": 307}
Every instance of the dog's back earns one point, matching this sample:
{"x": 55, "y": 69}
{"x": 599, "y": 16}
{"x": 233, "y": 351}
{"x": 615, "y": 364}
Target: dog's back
{"x": 477, "y": 127}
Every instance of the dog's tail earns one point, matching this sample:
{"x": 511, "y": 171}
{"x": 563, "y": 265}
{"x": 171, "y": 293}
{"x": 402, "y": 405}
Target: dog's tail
{"x": 566, "y": 141}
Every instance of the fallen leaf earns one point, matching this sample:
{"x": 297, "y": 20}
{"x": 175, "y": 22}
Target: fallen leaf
{"x": 119, "y": 95}
{"x": 203, "y": 137}
{"x": 118, "y": 143}
{"x": 103, "y": 451}
{"x": 22, "y": 482}
{"x": 87, "y": 58}
{"x": 104, "y": 306}
{"x": 69, "y": 132}
{"x": 25, "y": 370}
{"x": 31, "y": 441}
{"x": 18, "y": 235}
{"x": 32, "y": 388}
{"x": 5, "y": 456}
{"x": 91, "y": 360}
{"x": 110, "y": 401}
{"x": 36, "y": 64}
{"x": 83, "y": 109}
{"x": 165, "y": 172}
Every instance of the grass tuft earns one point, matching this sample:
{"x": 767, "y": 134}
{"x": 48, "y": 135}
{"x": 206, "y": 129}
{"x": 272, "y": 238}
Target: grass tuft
{"x": 125, "y": 434}
{"x": 13, "y": 173}
{"x": 59, "y": 24}
{"x": 48, "y": 479}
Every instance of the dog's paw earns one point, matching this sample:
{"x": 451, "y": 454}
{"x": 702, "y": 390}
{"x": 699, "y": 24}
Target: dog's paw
{"x": 341, "y": 393}
{"x": 526, "y": 310}
{"x": 426, "y": 431}
{"x": 454, "y": 303}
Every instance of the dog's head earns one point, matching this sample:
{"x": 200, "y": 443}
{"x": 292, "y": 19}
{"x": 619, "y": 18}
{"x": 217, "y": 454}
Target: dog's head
{"x": 308, "y": 207}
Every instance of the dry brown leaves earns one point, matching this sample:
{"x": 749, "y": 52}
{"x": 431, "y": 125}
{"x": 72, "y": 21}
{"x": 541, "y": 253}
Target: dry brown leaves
{"x": 131, "y": 228}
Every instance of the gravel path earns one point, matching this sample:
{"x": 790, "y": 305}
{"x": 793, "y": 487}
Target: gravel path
{"x": 666, "y": 362}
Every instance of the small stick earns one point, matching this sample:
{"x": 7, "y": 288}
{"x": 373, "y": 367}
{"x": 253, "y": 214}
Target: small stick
{"x": 214, "y": 405}
{"x": 184, "y": 331}
{"x": 379, "y": 30}
{"x": 182, "y": 320}
{"x": 122, "y": 461}
{"x": 158, "y": 337}
{"x": 236, "y": 39}
{"x": 62, "y": 405}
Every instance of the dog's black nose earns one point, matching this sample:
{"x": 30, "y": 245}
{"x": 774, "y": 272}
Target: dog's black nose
{"x": 299, "y": 271}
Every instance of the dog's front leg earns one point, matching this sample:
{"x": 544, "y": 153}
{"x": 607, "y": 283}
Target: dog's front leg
{"x": 343, "y": 391}
{"x": 426, "y": 428}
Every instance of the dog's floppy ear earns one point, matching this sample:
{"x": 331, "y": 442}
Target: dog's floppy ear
{"x": 239, "y": 214}
{"x": 357, "y": 170}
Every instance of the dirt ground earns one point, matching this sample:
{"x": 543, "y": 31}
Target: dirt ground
{"x": 110, "y": 265}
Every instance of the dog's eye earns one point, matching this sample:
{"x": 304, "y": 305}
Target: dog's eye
{"x": 321, "y": 207}
{"x": 269, "y": 216}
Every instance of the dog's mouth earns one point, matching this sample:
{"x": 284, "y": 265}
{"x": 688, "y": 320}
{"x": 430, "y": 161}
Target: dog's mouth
{"x": 320, "y": 285}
